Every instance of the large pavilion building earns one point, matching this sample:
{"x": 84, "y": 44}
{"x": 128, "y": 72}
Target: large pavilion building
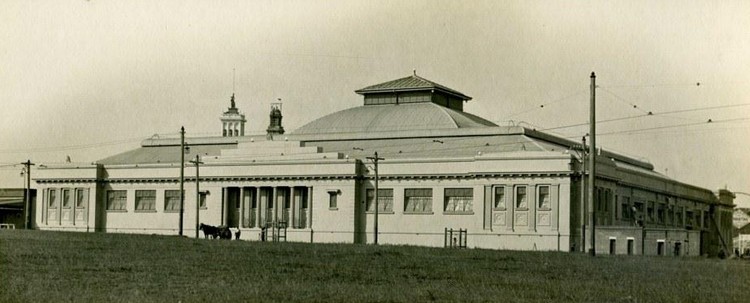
{"x": 508, "y": 187}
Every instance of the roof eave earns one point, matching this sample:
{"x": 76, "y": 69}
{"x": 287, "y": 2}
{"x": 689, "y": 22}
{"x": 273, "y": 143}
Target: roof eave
{"x": 366, "y": 91}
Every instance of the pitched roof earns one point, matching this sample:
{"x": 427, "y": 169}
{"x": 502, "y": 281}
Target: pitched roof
{"x": 410, "y": 83}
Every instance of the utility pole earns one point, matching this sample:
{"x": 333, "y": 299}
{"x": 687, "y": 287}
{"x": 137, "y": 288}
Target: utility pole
{"x": 197, "y": 192}
{"x": 592, "y": 162}
{"x": 182, "y": 175}
{"x": 375, "y": 160}
{"x": 26, "y": 212}
{"x": 583, "y": 193}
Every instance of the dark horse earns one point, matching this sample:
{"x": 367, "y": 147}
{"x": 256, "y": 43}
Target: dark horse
{"x": 224, "y": 232}
{"x": 209, "y": 230}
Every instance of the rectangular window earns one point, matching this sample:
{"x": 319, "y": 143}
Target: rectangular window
{"x": 459, "y": 200}
{"x": 499, "y": 198}
{"x": 116, "y": 199}
{"x": 543, "y": 198}
{"x": 145, "y": 200}
{"x": 521, "y": 201}
{"x": 172, "y": 200}
{"x": 607, "y": 197}
{"x": 332, "y": 203}
{"x": 650, "y": 212}
{"x": 661, "y": 213}
{"x": 698, "y": 219}
{"x": 689, "y": 218}
{"x": 625, "y": 208}
{"x": 418, "y": 200}
{"x": 202, "y": 200}
{"x": 385, "y": 200}
{"x": 82, "y": 197}
{"x": 66, "y": 198}
{"x": 670, "y": 215}
{"x": 678, "y": 216}
{"x": 52, "y": 198}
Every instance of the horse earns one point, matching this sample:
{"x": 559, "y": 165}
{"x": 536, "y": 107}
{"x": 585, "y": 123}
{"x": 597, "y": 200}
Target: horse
{"x": 224, "y": 232}
{"x": 209, "y": 230}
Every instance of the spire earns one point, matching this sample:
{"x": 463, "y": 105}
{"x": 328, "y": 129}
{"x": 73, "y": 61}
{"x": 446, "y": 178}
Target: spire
{"x": 232, "y": 121}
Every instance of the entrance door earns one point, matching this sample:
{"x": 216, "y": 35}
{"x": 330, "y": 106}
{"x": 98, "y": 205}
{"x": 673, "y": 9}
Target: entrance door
{"x": 81, "y": 206}
{"x": 233, "y": 207}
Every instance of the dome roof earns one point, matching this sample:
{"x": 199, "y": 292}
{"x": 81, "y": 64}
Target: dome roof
{"x": 392, "y": 117}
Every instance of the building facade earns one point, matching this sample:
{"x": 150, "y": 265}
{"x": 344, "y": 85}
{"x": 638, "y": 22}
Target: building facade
{"x": 509, "y": 187}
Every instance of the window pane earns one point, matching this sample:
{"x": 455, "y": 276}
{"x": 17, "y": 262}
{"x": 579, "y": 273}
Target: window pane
{"x": 459, "y": 200}
{"x": 521, "y": 197}
{"x": 52, "y": 198}
{"x": 418, "y": 200}
{"x": 81, "y": 198}
{"x": 171, "y": 200}
{"x": 66, "y": 198}
{"x": 544, "y": 199}
{"x": 332, "y": 203}
{"x": 116, "y": 199}
{"x": 500, "y": 197}
{"x": 145, "y": 199}
{"x": 385, "y": 200}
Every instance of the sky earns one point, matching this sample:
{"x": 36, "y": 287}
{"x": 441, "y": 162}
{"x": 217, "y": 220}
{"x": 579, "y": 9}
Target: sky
{"x": 90, "y": 79}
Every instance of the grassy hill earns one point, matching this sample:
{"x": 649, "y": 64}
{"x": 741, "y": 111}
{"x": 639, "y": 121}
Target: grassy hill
{"x": 38, "y": 266}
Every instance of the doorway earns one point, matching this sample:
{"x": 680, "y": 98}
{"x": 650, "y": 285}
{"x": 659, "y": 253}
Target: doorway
{"x": 233, "y": 206}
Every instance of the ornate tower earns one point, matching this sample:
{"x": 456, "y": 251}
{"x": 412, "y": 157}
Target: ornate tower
{"x": 233, "y": 122}
{"x": 275, "y": 128}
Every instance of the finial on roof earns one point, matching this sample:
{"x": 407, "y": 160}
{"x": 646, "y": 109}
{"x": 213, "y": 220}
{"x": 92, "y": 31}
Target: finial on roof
{"x": 232, "y": 101}
{"x": 415, "y": 71}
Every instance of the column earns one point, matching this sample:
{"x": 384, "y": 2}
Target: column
{"x": 262, "y": 206}
{"x": 256, "y": 197}
{"x": 275, "y": 203}
{"x": 242, "y": 208}
{"x": 309, "y": 206}
{"x": 295, "y": 213}
{"x": 531, "y": 195}
{"x": 224, "y": 204}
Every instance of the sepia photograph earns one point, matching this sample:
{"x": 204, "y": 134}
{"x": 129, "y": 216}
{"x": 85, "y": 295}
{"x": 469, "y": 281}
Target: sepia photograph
{"x": 374, "y": 151}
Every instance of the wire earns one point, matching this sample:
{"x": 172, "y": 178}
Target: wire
{"x": 655, "y": 85}
{"x": 546, "y": 104}
{"x": 618, "y": 98}
{"x": 653, "y": 114}
{"x": 673, "y": 126}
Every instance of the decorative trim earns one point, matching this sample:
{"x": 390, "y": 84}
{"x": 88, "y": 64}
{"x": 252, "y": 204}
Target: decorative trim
{"x": 67, "y": 180}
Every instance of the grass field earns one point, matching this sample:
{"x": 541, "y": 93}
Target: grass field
{"x": 38, "y": 266}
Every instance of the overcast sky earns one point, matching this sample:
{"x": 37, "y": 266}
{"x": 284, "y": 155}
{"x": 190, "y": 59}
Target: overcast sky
{"x": 91, "y": 79}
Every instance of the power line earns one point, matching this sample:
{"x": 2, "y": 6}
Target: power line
{"x": 547, "y": 104}
{"x": 655, "y": 85}
{"x": 653, "y": 114}
{"x": 618, "y": 98}
{"x": 674, "y": 126}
